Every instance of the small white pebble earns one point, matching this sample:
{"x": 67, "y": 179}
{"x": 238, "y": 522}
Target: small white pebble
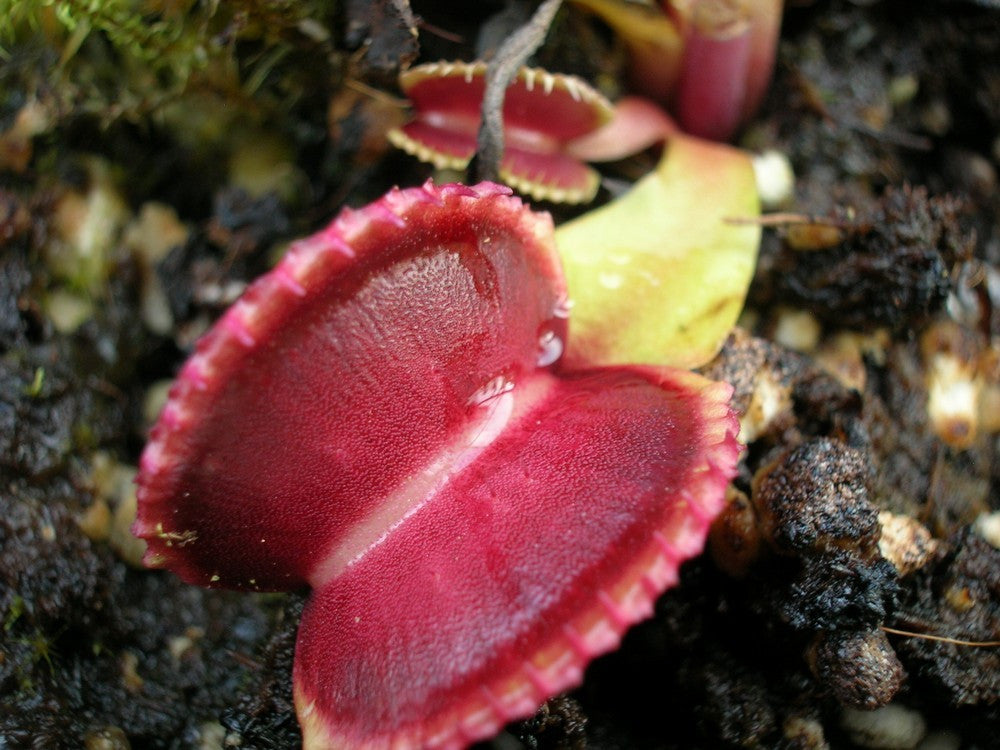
{"x": 179, "y": 645}
{"x": 129, "y": 672}
{"x": 67, "y": 310}
{"x": 313, "y": 29}
{"x": 775, "y": 179}
{"x": 953, "y": 392}
{"x": 95, "y": 522}
{"x": 905, "y": 542}
{"x": 212, "y": 735}
{"x": 106, "y": 738}
{"x": 988, "y": 527}
{"x": 130, "y": 549}
{"x": 155, "y": 307}
{"x": 155, "y": 232}
{"x": 87, "y": 229}
{"x": 770, "y": 398}
{"x": 798, "y": 330}
{"x": 891, "y": 727}
{"x": 843, "y": 357}
{"x": 805, "y": 733}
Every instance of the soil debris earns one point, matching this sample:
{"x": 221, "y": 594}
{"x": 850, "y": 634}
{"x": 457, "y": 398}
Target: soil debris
{"x": 957, "y": 596}
{"x": 891, "y": 270}
{"x": 860, "y": 667}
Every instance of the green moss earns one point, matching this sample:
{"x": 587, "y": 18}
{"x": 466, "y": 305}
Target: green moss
{"x": 34, "y": 389}
{"x": 128, "y": 58}
{"x": 35, "y": 648}
{"x": 165, "y": 43}
{"x": 13, "y": 613}
{"x": 41, "y": 650}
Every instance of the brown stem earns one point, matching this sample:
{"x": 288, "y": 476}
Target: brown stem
{"x": 501, "y": 71}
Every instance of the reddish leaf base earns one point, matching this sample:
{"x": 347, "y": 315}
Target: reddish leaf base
{"x": 383, "y": 417}
{"x": 712, "y": 89}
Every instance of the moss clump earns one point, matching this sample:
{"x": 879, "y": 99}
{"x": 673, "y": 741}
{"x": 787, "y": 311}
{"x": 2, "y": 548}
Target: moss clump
{"x": 128, "y": 58}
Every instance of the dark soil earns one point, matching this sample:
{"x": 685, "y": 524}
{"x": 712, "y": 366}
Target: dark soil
{"x": 890, "y": 114}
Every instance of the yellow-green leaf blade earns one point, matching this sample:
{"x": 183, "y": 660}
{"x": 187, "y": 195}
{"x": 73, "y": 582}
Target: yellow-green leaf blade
{"x": 659, "y": 276}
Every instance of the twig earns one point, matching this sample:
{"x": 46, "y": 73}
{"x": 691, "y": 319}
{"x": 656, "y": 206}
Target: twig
{"x": 502, "y": 69}
{"x": 373, "y": 93}
{"x": 246, "y": 661}
{"x": 785, "y": 219}
{"x": 437, "y": 31}
{"x": 943, "y": 639}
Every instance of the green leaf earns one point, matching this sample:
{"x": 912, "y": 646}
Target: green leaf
{"x": 659, "y": 276}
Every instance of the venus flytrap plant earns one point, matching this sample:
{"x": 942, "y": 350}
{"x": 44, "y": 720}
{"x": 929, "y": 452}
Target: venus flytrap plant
{"x": 386, "y": 417}
{"x": 482, "y": 493}
{"x": 709, "y": 61}
{"x": 542, "y": 113}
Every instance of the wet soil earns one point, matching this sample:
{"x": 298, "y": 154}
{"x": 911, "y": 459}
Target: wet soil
{"x": 890, "y": 115}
